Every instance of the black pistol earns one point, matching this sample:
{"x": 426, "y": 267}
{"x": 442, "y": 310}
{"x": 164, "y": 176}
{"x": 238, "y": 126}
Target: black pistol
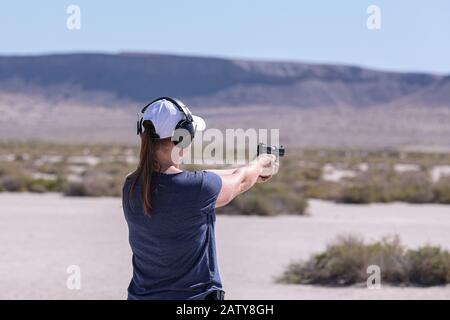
{"x": 265, "y": 149}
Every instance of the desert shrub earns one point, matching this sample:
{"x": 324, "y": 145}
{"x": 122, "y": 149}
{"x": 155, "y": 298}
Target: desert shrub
{"x": 74, "y": 189}
{"x": 389, "y": 255}
{"x": 387, "y": 186}
{"x": 340, "y": 264}
{"x": 326, "y": 190}
{"x": 252, "y": 204}
{"x": 357, "y": 194}
{"x": 266, "y": 200}
{"x": 41, "y": 185}
{"x": 290, "y": 203}
{"x": 428, "y": 266}
{"x": 113, "y": 168}
{"x": 92, "y": 187}
{"x": 371, "y": 186}
{"x": 345, "y": 262}
{"x": 442, "y": 190}
{"x": 101, "y": 186}
{"x": 16, "y": 182}
{"x": 313, "y": 173}
{"x": 54, "y": 168}
{"x": 414, "y": 187}
{"x": 12, "y": 183}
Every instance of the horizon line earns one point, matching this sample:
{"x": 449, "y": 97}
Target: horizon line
{"x": 218, "y": 57}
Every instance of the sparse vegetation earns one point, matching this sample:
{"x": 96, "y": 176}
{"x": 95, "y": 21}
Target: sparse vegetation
{"x": 94, "y": 186}
{"x": 387, "y": 186}
{"x": 73, "y": 170}
{"x": 348, "y": 176}
{"x": 442, "y": 190}
{"x": 345, "y": 262}
{"x": 267, "y": 200}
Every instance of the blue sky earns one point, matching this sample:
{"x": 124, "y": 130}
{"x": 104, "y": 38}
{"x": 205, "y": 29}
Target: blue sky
{"x": 414, "y": 35}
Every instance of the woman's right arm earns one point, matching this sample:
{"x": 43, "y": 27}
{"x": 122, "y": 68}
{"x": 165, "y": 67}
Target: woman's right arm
{"x": 243, "y": 178}
{"x": 222, "y": 172}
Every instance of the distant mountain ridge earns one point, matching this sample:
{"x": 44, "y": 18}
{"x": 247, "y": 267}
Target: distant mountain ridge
{"x": 216, "y": 81}
{"x": 93, "y": 98}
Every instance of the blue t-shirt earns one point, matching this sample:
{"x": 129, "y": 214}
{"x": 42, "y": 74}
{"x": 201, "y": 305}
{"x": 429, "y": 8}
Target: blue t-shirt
{"x": 174, "y": 252}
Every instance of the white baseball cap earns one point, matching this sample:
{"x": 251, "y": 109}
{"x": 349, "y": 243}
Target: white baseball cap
{"x": 165, "y": 116}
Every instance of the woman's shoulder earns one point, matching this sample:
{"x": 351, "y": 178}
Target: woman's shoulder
{"x": 205, "y": 184}
{"x": 211, "y": 182}
{"x": 199, "y": 178}
{"x": 128, "y": 177}
{"x": 128, "y": 180}
{"x": 201, "y": 174}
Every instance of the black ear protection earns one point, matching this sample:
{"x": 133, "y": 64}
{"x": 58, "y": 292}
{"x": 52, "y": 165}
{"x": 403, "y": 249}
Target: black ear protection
{"x": 186, "y": 125}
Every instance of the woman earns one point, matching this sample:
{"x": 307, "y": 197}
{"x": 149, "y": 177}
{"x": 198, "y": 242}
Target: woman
{"x": 170, "y": 212}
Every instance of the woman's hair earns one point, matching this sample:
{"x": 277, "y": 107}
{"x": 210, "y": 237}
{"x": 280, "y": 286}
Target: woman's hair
{"x": 147, "y": 165}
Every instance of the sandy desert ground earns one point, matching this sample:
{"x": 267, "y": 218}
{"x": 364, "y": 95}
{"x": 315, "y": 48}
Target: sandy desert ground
{"x": 41, "y": 235}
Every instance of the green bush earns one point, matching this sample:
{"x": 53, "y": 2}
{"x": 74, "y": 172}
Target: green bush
{"x": 93, "y": 187}
{"x": 41, "y": 185}
{"x": 357, "y": 194}
{"x": 12, "y": 183}
{"x": 252, "y": 204}
{"x": 310, "y": 173}
{"x": 345, "y": 263}
{"x": 326, "y": 190}
{"x": 75, "y": 189}
{"x": 429, "y": 266}
{"x": 266, "y": 200}
{"x": 414, "y": 187}
{"x": 442, "y": 190}
{"x": 387, "y": 186}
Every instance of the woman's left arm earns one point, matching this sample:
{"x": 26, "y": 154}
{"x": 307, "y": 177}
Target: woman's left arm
{"x": 222, "y": 172}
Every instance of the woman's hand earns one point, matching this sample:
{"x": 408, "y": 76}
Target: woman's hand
{"x": 261, "y": 169}
{"x": 262, "y": 179}
{"x": 268, "y": 165}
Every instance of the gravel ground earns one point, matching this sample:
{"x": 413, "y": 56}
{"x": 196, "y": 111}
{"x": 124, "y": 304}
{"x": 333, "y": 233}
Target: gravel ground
{"x": 42, "y": 235}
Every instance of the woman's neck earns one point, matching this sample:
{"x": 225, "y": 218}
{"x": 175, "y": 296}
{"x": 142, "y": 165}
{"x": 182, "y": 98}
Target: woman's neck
{"x": 166, "y": 162}
{"x": 169, "y": 168}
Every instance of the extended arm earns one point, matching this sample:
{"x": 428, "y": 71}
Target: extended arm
{"x": 223, "y": 172}
{"x": 242, "y": 179}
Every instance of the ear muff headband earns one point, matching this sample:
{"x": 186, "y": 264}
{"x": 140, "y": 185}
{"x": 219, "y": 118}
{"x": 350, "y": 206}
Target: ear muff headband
{"x": 186, "y": 124}
{"x": 180, "y": 106}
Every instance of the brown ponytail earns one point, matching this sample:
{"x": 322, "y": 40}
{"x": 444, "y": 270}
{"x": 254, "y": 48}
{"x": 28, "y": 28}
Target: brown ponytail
{"x": 147, "y": 164}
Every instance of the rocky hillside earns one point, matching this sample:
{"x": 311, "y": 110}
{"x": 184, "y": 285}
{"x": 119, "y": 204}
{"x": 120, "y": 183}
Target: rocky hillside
{"x": 97, "y": 78}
